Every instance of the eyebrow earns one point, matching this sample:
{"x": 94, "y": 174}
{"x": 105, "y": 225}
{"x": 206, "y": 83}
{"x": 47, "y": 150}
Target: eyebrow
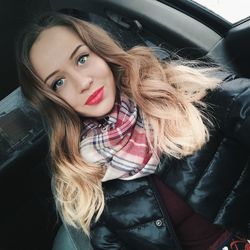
{"x": 71, "y": 56}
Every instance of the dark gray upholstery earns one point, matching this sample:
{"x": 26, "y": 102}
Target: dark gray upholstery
{"x": 75, "y": 240}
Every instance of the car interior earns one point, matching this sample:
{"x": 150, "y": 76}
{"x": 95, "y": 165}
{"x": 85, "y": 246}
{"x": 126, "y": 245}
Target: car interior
{"x": 28, "y": 217}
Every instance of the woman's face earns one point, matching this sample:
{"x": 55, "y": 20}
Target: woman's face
{"x": 74, "y": 72}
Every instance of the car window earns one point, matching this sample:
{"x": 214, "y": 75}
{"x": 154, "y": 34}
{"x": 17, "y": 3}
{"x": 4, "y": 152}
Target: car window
{"x": 231, "y": 10}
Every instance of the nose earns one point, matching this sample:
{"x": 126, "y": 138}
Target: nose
{"x": 81, "y": 82}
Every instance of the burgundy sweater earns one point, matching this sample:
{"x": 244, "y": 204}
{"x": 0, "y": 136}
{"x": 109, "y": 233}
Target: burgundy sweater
{"x": 193, "y": 231}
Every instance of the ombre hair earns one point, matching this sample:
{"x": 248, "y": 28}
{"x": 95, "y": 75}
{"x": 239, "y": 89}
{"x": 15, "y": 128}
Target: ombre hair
{"x": 169, "y": 95}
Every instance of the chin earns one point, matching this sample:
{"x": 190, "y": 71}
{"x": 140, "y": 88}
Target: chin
{"x": 103, "y": 113}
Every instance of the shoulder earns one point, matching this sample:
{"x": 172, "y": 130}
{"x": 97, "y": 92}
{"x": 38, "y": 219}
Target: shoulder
{"x": 235, "y": 89}
{"x": 230, "y": 90}
{"x": 230, "y": 105}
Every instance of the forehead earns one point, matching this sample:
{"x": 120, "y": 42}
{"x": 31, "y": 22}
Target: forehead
{"x": 53, "y": 47}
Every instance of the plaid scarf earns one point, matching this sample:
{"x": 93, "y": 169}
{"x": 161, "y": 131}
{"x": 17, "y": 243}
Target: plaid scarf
{"x": 119, "y": 143}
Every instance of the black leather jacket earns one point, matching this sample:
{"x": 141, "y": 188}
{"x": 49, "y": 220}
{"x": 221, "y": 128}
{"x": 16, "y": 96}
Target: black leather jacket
{"x": 215, "y": 182}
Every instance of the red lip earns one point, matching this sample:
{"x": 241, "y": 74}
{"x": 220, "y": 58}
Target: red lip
{"x": 96, "y": 97}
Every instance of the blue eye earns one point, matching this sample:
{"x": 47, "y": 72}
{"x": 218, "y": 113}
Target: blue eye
{"x": 82, "y": 59}
{"x": 57, "y": 84}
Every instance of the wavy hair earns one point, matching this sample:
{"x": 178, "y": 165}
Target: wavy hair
{"x": 168, "y": 94}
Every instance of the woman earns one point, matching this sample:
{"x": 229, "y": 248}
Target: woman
{"x": 117, "y": 117}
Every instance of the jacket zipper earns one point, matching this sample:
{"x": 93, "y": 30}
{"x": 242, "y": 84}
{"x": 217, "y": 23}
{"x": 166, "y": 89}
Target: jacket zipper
{"x": 165, "y": 214}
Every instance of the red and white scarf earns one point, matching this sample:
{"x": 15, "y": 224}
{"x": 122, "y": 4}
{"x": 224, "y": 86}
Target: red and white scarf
{"x": 120, "y": 144}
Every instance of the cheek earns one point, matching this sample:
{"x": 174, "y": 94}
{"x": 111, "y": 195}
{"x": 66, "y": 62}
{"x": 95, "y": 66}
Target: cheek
{"x": 68, "y": 95}
{"x": 103, "y": 69}
{"x": 110, "y": 77}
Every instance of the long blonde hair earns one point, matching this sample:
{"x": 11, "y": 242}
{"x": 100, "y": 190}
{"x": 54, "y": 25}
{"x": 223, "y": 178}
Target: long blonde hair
{"x": 168, "y": 95}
